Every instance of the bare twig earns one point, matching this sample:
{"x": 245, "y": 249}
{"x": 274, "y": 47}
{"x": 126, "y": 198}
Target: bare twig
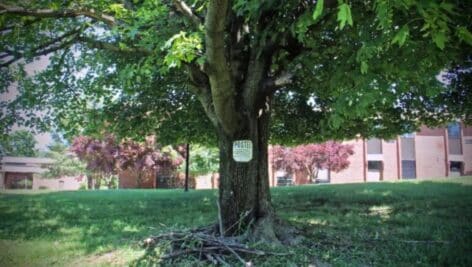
{"x": 220, "y": 260}
{"x": 205, "y": 246}
{"x": 211, "y": 258}
{"x": 234, "y": 253}
{"x": 238, "y": 222}
{"x": 220, "y": 220}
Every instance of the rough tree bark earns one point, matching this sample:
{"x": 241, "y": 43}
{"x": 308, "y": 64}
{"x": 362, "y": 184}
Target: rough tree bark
{"x": 244, "y": 187}
{"x": 244, "y": 195}
{"x": 235, "y": 89}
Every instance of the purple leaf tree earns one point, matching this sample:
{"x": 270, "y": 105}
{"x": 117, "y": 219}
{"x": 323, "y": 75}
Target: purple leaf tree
{"x": 311, "y": 158}
{"x": 100, "y": 157}
{"x": 143, "y": 158}
{"x": 105, "y": 158}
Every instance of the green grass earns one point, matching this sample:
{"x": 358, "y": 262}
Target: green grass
{"x": 377, "y": 224}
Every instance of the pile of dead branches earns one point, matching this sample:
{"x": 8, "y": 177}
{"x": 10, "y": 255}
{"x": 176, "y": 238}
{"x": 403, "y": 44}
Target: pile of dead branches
{"x": 204, "y": 246}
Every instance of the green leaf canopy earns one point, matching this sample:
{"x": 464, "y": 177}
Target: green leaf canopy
{"x": 135, "y": 68}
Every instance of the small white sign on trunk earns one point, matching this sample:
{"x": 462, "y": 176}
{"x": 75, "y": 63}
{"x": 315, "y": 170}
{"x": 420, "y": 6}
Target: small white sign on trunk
{"x": 242, "y": 150}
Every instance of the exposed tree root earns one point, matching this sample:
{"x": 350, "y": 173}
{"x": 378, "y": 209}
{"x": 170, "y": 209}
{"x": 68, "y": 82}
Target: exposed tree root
{"x": 206, "y": 244}
{"x": 273, "y": 230}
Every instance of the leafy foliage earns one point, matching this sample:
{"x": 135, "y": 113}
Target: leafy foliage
{"x": 182, "y": 48}
{"x": 100, "y": 155}
{"x": 203, "y": 160}
{"x": 125, "y": 68}
{"x": 311, "y": 158}
{"x": 65, "y": 164}
{"x": 144, "y": 158}
{"x": 107, "y": 157}
{"x": 20, "y": 143}
{"x": 344, "y": 15}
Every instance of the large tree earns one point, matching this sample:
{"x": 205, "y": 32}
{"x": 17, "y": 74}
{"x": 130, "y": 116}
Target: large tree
{"x": 219, "y": 68}
{"x": 100, "y": 158}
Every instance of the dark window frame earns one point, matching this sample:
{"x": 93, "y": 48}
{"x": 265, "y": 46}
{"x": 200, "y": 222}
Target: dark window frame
{"x": 374, "y": 165}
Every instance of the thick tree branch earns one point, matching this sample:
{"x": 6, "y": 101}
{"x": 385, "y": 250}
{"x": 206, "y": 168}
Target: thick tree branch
{"x": 219, "y": 73}
{"x": 188, "y": 12}
{"x": 63, "y": 41}
{"x": 200, "y": 86}
{"x": 50, "y": 13}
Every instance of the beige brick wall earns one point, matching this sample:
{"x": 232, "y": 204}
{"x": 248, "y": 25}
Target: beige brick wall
{"x": 390, "y": 170}
{"x": 430, "y": 157}
{"x": 63, "y": 183}
{"x": 207, "y": 181}
{"x": 355, "y": 172}
{"x": 467, "y": 150}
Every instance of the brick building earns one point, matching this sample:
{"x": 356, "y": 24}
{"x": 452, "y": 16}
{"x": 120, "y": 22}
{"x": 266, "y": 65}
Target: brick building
{"x": 429, "y": 153}
{"x": 25, "y": 173}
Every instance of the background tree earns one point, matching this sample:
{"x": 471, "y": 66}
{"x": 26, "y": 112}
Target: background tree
{"x": 203, "y": 160}
{"x": 283, "y": 159}
{"x": 318, "y": 70}
{"x": 311, "y": 158}
{"x": 142, "y": 159}
{"x": 20, "y": 143}
{"x": 65, "y": 163}
{"x": 100, "y": 157}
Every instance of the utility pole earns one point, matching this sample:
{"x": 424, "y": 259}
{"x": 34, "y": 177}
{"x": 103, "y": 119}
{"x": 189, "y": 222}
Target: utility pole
{"x": 187, "y": 157}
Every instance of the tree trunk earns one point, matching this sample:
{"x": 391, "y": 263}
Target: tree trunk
{"x": 138, "y": 179}
{"x": 89, "y": 181}
{"x": 235, "y": 91}
{"x": 245, "y": 201}
{"x": 97, "y": 181}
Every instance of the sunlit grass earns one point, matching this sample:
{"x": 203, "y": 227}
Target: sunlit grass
{"x": 407, "y": 223}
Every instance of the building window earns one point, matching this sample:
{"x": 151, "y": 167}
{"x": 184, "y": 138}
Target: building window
{"x": 408, "y": 135}
{"x": 19, "y": 181}
{"x": 454, "y": 138}
{"x": 455, "y": 168}
{"x": 454, "y": 130}
{"x": 408, "y": 169}
{"x": 374, "y": 165}
{"x": 374, "y": 146}
{"x": 374, "y": 170}
{"x": 323, "y": 176}
{"x": 284, "y": 181}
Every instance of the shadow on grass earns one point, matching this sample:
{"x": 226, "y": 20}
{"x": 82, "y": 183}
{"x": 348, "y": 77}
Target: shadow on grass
{"x": 411, "y": 223}
{"x": 420, "y": 223}
{"x": 102, "y": 220}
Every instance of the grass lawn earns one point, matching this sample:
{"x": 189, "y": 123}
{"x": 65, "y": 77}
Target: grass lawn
{"x": 374, "y": 224}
